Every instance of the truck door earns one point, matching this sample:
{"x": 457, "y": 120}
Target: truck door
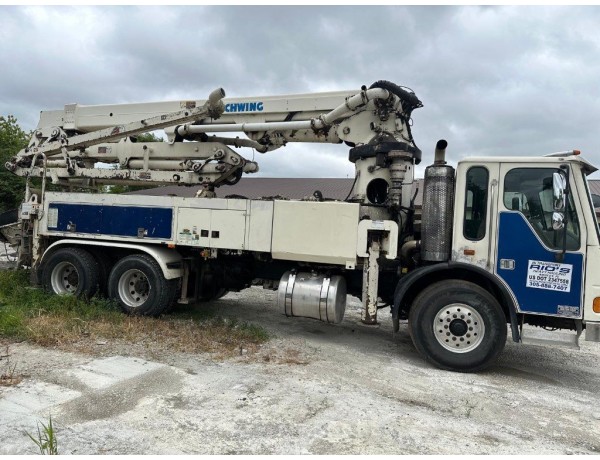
{"x": 474, "y": 238}
{"x": 529, "y": 252}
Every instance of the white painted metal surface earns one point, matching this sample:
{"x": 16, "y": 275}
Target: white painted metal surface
{"x": 315, "y": 232}
{"x": 274, "y": 108}
{"x": 292, "y": 230}
{"x": 389, "y": 237}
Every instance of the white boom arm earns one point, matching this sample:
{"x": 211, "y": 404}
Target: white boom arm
{"x": 68, "y": 144}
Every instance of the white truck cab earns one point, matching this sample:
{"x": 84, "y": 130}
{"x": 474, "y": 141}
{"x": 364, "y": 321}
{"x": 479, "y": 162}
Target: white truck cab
{"x": 503, "y": 222}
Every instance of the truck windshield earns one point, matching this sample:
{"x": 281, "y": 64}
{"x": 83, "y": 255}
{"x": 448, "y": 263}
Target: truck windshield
{"x": 591, "y": 203}
{"x": 529, "y": 191}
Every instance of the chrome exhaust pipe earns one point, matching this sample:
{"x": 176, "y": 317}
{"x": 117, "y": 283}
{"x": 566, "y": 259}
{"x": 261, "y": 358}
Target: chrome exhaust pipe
{"x": 440, "y": 152}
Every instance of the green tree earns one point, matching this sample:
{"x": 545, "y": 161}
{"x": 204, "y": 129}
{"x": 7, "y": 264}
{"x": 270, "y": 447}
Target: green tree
{"x": 148, "y": 137}
{"x": 12, "y": 139}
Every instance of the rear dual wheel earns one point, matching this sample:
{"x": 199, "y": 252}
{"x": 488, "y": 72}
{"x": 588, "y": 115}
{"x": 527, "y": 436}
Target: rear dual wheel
{"x": 136, "y": 282}
{"x": 138, "y": 285}
{"x": 216, "y": 295}
{"x": 105, "y": 264}
{"x": 71, "y": 271}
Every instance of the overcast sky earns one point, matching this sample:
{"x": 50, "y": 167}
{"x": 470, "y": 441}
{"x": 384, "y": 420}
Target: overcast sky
{"x": 493, "y": 80}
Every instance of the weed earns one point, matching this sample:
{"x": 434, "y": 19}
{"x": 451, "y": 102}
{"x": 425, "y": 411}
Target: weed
{"x": 469, "y": 406}
{"x": 8, "y": 376}
{"x": 46, "y": 438}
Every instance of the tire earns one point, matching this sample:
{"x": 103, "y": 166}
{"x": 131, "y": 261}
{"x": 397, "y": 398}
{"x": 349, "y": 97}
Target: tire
{"x": 457, "y": 326}
{"x": 221, "y": 293}
{"x": 71, "y": 271}
{"x": 175, "y": 292}
{"x": 104, "y": 266}
{"x": 138, "y": 285}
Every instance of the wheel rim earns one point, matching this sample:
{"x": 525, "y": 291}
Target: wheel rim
{"x": 459, "y": 328}
{"x": 134, "y": 288}
{"x": 64, "y": 278}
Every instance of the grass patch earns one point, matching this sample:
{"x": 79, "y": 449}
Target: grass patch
{"x": 50, "y": 320}
{"x": 45, "y": 439}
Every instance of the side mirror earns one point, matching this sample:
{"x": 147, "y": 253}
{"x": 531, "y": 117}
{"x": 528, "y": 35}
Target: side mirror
{"x": 559, "y": 185}
{"x": 558, "y": 221}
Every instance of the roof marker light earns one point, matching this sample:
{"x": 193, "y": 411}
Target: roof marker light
{"x": 568, "y": 153}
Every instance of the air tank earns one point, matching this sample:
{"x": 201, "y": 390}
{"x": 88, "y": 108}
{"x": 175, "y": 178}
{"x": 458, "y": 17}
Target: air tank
{"x": 438, "y": 208}
{"x": 312, "y": 295}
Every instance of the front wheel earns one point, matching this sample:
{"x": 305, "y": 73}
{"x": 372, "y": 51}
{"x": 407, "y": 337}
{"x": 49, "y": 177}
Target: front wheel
{"x": 137, "y": 283}
{"x": 457, "y": 325}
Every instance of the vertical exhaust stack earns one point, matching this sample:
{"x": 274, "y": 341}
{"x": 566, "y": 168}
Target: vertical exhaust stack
{"x": 438, "y": 208}
{"x": 440, "y": 152}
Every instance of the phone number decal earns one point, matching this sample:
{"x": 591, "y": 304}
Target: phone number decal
{"x": 549, "y": 275}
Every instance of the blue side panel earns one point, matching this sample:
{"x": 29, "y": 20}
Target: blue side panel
{"x": 114, "y": 220}
{"x": 517, "y": 242}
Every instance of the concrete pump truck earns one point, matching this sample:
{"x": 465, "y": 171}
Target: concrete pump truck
{"x": 499, "y": 241}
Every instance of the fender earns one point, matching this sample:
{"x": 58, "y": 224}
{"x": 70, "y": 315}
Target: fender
{"x": 170, "y": 261}
{"x": 407, "y": 282}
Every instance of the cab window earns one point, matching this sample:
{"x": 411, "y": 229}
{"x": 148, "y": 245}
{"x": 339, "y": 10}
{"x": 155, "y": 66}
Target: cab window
{"x": 475, "y": 203}
{"x": 529, "y": 191}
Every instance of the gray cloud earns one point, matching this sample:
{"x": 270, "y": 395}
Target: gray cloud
{"x": 493, "y": 80}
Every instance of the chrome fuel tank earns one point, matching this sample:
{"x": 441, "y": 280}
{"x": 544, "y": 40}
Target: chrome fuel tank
{"x": 312, "y": 295}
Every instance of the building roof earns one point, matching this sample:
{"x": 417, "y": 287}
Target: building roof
{"x": 594, "y": 187}
{"x": 293, "y": 188}
{"x": 257, "y": 187}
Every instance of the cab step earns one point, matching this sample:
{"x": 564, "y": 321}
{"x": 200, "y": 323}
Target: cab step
{"x": 538, "y": 336}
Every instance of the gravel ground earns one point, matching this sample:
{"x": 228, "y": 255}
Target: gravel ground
{"x": 314, "y": 388}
